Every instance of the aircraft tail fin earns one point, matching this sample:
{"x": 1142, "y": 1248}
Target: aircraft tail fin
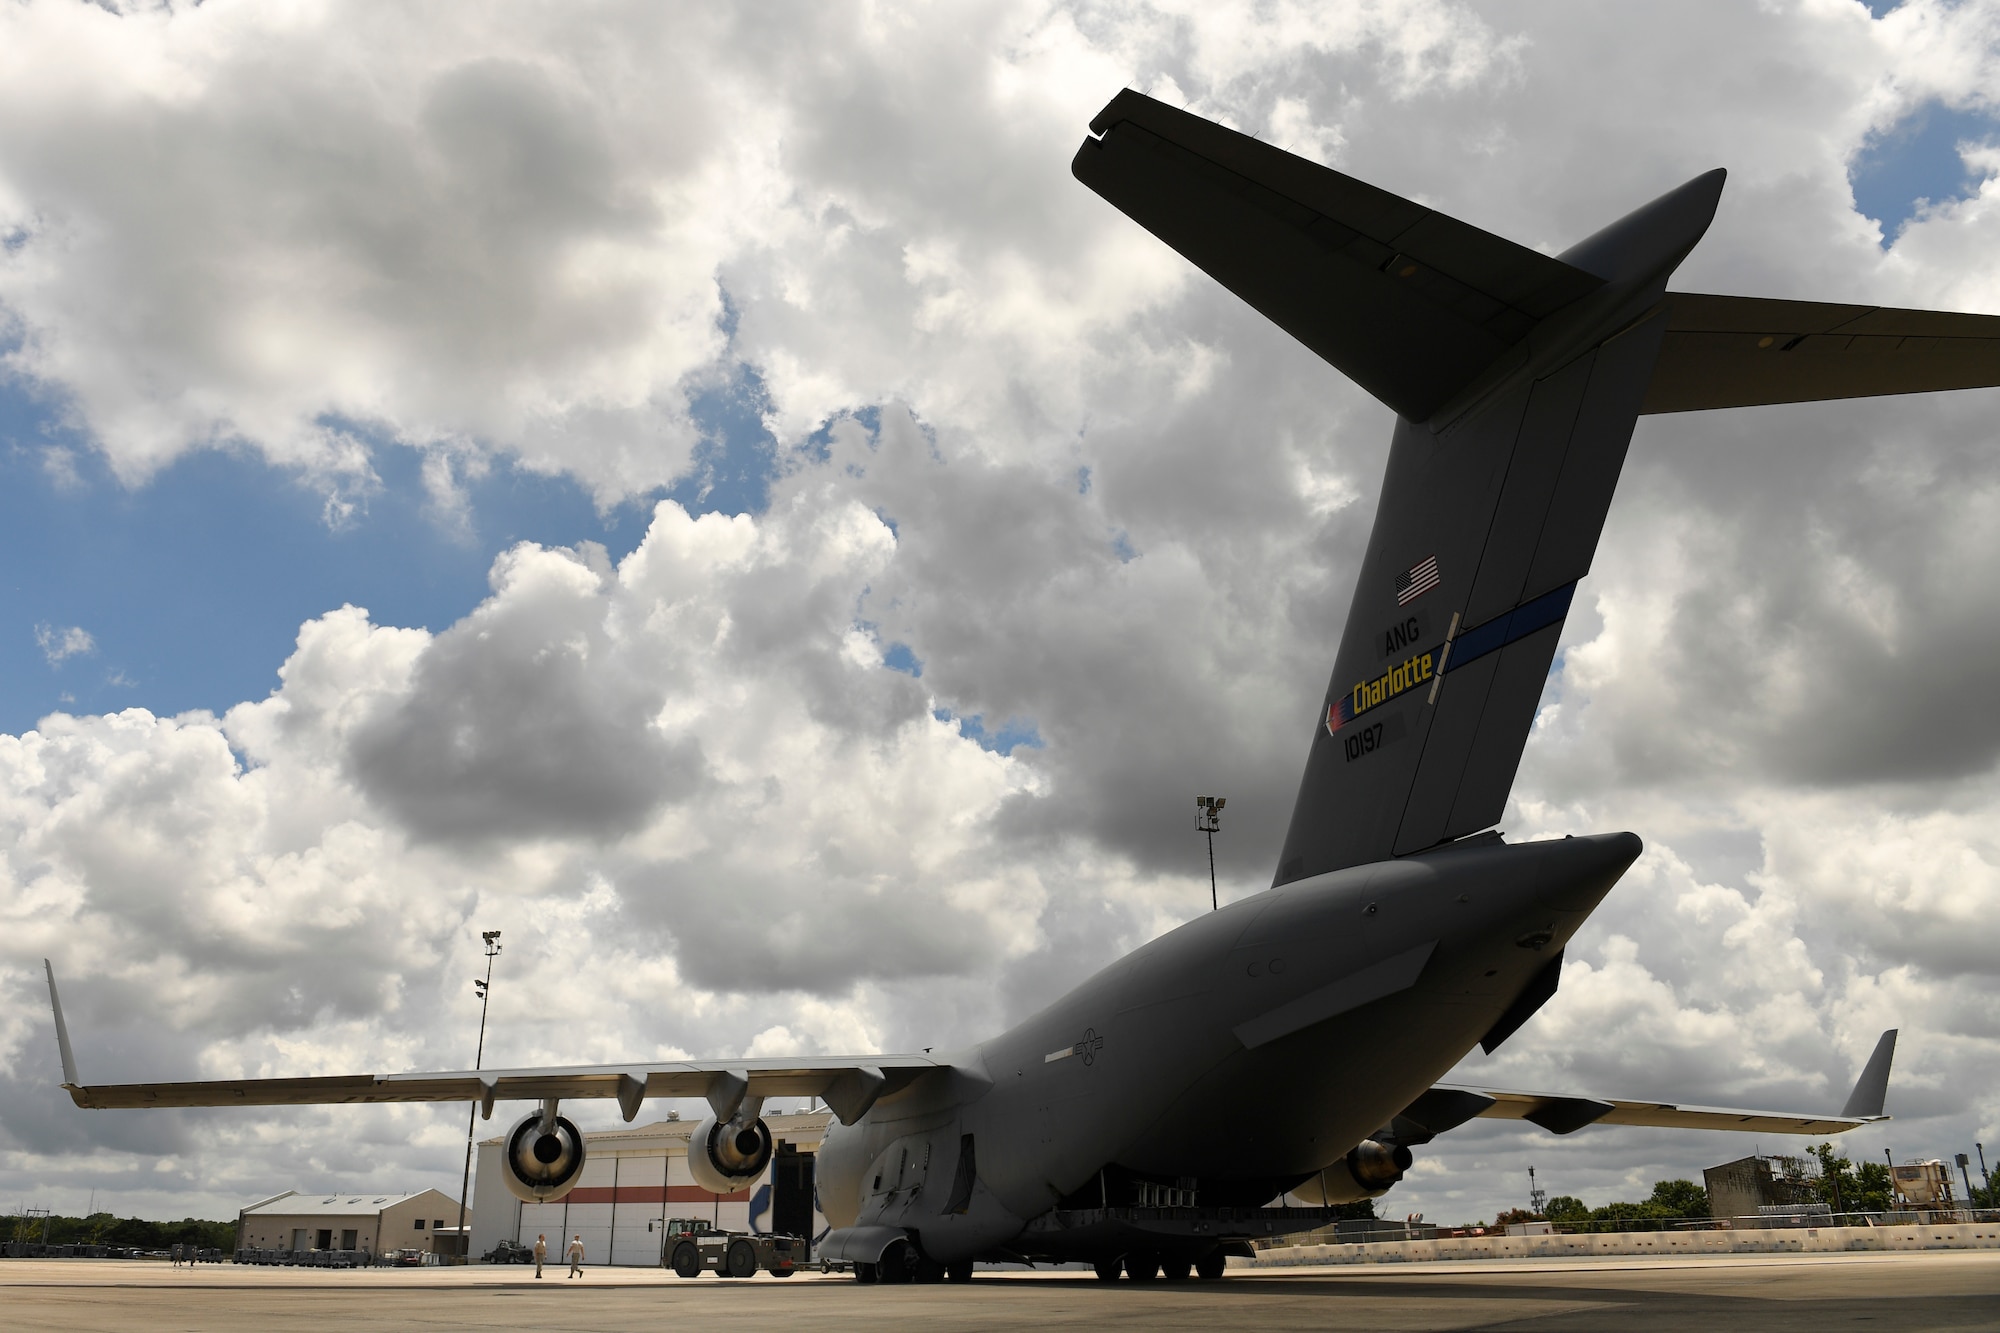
{"x": 1517, "y": 379}
{"x": 1871, "y": 1090}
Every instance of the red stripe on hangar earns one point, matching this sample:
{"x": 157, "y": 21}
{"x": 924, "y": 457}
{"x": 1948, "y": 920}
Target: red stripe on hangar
{"x": 651, "y": 1194}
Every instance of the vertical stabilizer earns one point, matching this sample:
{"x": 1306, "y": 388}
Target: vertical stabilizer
{"x": 1516, "y": 379}
{"x": 1489, "y": 515}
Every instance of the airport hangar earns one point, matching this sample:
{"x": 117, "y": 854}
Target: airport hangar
{"x": 635, "y": 1179}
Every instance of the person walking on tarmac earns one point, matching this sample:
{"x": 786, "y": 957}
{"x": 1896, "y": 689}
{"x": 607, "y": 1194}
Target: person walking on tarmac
{"x": 541, "y": 1251}
{"x": 576, "y": 1255}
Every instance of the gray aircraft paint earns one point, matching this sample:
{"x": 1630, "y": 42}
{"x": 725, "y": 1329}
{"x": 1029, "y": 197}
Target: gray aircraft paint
{"x": 1171, "y": 1091}
{"x": 1247, "y": 1052}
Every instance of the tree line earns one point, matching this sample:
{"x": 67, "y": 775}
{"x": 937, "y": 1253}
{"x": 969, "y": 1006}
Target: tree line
{"x": 133, "y": 1232}
{"x": 1843, "y": 1185}
{"x": 1671, "y": 1200}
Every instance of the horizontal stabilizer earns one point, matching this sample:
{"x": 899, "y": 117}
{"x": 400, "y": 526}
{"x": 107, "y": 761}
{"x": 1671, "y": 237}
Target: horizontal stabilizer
{"x": 1408, "y": 303}
{"x": 1742, "y": 351}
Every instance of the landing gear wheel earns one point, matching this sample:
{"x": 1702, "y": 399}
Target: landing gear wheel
{"x": 783, "y": 1272}
{"x": 865, "y": 1273}
{"x": 897, "y": 1262}
{"x": 687, "y": 1260}
{"x": 1211, "y": 1265}
{"x": 959, "y": 1272}
{"x": 928, "y": 1271}
{"x": 741, "y": 1260}
{"x": 1175, "y": 1270}
{"x": 1108, "y": 1269}
{"x": 1142, "y": 1267}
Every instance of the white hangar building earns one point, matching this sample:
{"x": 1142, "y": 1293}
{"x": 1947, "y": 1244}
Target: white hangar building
{"x": 635, "y": 1179}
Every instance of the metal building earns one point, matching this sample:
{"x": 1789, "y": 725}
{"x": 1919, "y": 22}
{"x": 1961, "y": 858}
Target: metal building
{"x": 365, "y": 1224}
{"x": 634, "y": 1179}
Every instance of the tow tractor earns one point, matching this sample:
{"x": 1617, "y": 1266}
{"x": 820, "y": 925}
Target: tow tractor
{"x": 692, "y": 1246}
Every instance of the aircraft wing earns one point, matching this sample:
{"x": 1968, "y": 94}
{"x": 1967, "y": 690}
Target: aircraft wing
{"x": 848, "y": 1085}
{"x": 840, "y": 1082}
{"x": 1560, "y": 1114}
{"x": 1742, "y": 351}
{"x": 1448, "y": 1106}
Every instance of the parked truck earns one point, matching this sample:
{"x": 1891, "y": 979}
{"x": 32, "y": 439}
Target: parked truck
{"x": 693, "y": 1247}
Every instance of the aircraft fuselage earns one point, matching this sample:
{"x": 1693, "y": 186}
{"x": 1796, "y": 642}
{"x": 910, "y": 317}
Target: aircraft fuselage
{"x": 1234, "y": 1056}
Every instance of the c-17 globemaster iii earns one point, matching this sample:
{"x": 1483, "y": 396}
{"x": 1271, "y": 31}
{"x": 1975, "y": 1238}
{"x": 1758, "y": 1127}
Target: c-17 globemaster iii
{"x": 1231, "y": 1078}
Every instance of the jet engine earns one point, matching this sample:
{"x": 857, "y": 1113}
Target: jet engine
{"x": 726, "y": 1155}
{"x": 541, "y": 1166}
{"x": 1367, "y": 1172}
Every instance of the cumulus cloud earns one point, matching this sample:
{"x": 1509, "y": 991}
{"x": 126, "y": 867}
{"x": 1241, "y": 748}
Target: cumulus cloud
{"x": 60, "y": 643}
{"x": 1090, "y": 492}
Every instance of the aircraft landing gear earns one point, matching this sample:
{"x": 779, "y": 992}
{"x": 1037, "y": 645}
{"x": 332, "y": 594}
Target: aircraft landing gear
{"x": 1142, "y": 1267}
{"x": 1175, "y": 1270}
{"x": 1211, "y": 1265}
{"x": 899, "y": 1264}
{"x": 959, "y": 1272}
{"x": 1108, "y": 1269}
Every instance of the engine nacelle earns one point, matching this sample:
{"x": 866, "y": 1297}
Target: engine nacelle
{"x": 538, "y": 1167}
{"x": 725, "y": 1156}
{"x": 1367, "y": 1172}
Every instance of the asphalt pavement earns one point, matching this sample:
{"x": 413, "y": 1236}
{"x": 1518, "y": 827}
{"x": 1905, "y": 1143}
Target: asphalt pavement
{"x": 1767, "y": 1293}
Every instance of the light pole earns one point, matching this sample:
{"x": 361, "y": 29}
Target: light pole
{"x": 1208, "y": 819}
{"x": 485, "y": 989}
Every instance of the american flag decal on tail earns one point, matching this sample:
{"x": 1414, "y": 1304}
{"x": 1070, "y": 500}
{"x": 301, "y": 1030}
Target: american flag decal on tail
{"x": 1423, "y": 576}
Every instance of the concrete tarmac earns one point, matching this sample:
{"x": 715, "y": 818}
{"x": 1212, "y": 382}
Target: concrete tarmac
{"x": 1767, "y": 1293}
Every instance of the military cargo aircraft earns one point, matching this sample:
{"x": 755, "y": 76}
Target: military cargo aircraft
{"x": 1236, "y": 1076}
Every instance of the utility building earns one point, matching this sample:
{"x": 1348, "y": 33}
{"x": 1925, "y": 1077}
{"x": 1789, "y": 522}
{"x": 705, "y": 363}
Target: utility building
{"x": 363, "y": 1223}
{"x": 1749, "y": 1184}
{"x": 634, "y": 1179}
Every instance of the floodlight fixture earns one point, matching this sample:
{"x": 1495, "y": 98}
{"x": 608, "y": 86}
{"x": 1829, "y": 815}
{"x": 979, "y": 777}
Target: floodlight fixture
{"x": 1208, "y": 813}
{"x": 1208, "y": 819}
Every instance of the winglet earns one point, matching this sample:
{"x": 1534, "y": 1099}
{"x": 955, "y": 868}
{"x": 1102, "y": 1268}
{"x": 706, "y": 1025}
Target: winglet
{"x": 1872, "y": 1088}
{"x": 70, "y": 1080}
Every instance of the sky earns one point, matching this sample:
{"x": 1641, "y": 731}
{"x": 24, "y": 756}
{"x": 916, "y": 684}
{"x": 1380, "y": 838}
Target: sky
{"x": 703, "y": 491}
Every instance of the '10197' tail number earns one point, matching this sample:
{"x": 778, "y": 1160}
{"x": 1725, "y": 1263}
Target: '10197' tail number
{"x": 1365, "y": 740}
